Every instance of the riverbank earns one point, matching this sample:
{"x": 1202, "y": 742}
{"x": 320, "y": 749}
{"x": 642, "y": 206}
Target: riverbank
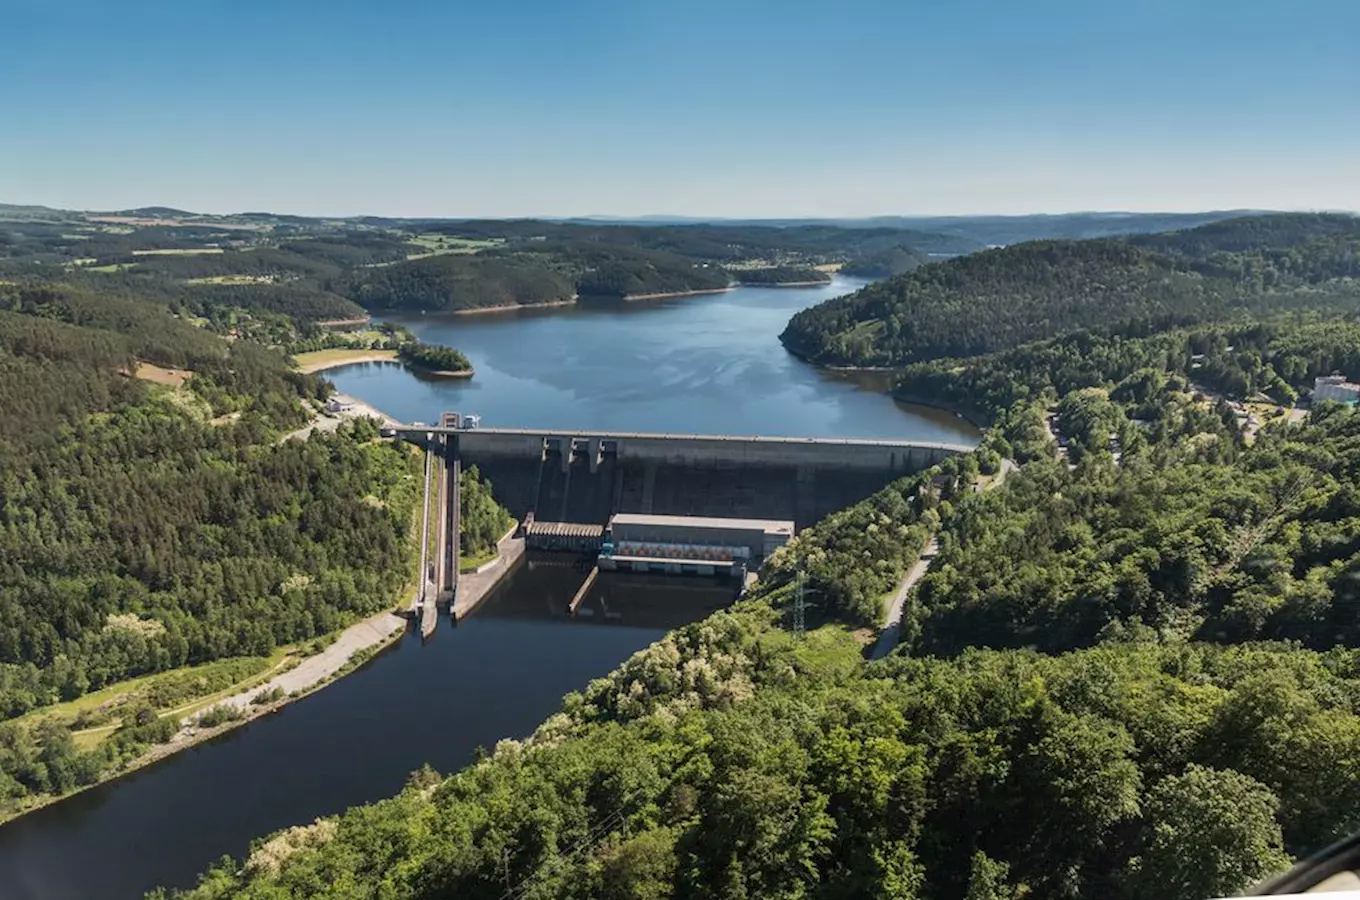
{"x": 666, "y": 295}
{"x": 351, "y": 647}
{"x": 319, "y": 360}
{"x": 973, "y": 417}
{"x": 440, "y": 373}
{"x": 784, "y": 284}
{"x": 512, "y": 307}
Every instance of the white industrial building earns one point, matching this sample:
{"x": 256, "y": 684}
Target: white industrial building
{"x": 689, "y": 544}
{"x": 1337, "y": 388}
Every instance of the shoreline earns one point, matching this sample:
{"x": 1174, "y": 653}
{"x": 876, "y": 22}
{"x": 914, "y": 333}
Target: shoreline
{"x": 189, "y": 735}
{"x": 784, "y": 284}
{"x": 509, "y": 307}
{"x": 311, "y": 368}
{"x": 441, "y": 373}
{"x": 971, "y": 416}
{"x": 879, "y": 369}
{"x": 664, "y": 295}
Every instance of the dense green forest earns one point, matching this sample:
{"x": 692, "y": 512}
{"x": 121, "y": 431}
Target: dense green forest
{"x": 1277, "y": 357}
{"x": 732, "y": 760}
{"x": 548, "y": 272}
{"x": 453, "y": 282}
{"x": 1126, "y": 675}
{"x": 146, "y": 526}
{"x": 433, "y": 357}
{"x": 601, "y": 270}
{"x": 1003, "y": 298}
{"x": 776, "y": 275}
{"x": 482, "y": 521}
{"x": 885, "y": 263}
{"x": 717, "y": 242}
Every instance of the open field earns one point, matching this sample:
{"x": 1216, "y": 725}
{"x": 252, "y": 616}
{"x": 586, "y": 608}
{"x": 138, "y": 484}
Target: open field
{"x": 232, "y": 279}
{"x": 190, "y": 251}
{"x": 159, "y": 375}
{"x": 442, "y": 244}
{"x": 317, "y": 360}
{"x": 147, "y": 687}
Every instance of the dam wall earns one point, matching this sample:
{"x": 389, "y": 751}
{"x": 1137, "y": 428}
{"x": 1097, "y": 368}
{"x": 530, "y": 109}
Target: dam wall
{"x": 586, "y": 477}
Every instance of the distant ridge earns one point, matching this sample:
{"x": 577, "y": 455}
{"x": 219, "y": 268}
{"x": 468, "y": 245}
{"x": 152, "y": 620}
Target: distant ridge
{"x": 153, "y": 212}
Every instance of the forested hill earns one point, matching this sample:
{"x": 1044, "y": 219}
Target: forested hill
{"x": 778, "y": 275}
{"x": 1006, "y": 297}
{"x": 151, "y": 519}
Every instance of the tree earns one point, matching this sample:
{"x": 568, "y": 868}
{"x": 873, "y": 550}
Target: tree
{"x": 1208, "y": 833}
{"x": 988, "y": 880}
{"x": 642, "y": 868}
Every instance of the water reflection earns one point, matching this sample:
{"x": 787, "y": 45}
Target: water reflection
{"x": 545, "y": 583}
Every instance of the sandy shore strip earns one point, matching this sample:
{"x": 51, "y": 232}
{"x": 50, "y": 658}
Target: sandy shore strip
{"x": 512, "y": 307}
{"x": 666, "y": 295}
{"x": 320, "y": 360}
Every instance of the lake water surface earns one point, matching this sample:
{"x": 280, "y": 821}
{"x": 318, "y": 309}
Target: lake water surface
{"x": 709, "y": 364}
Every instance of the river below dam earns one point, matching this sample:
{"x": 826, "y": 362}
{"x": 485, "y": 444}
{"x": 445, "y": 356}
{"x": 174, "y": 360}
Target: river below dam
{"x": 706, "y": 364}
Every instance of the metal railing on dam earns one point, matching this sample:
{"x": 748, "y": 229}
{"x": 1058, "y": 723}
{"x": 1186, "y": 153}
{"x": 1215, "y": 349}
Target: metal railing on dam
{"x": 586, "y": 476}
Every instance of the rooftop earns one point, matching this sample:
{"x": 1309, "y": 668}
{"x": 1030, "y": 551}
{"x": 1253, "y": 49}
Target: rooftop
{"x": 768, "y": 525}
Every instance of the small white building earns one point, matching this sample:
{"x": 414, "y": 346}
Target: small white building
{"x": 336, "y": 405}
{"x": 1337, "y": 388}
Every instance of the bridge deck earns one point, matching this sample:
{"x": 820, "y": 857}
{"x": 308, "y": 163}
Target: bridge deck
{"x": 668, "y": 436}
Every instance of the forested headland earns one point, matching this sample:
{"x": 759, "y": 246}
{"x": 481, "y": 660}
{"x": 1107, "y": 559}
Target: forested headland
{"x": 434, "y": 358}
{"x": 886, "y": 263}
{"x": 1129, "y": 673}
{"x": 775, "y": 276}
{"x": 151, "y": 519}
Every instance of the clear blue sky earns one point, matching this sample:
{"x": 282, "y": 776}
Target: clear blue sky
{"x": 700, "y": 107}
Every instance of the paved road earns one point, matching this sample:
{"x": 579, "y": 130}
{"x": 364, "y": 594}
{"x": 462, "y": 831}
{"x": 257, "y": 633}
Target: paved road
{"x": 887, "y": 636}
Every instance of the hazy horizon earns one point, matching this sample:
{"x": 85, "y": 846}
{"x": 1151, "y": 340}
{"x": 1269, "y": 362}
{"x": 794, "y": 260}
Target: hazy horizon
{"x": 662, "y": 218}
{"x": 705, "y": 110}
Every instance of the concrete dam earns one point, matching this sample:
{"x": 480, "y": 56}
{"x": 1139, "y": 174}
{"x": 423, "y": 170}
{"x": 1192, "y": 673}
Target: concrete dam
{"x": 586, "y": 477}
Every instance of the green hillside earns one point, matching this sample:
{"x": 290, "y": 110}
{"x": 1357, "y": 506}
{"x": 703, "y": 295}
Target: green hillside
{"x": 1002, "y": 298}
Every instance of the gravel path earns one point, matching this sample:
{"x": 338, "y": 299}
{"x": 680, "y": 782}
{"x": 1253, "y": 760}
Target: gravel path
{"x": 315, "y": 669}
